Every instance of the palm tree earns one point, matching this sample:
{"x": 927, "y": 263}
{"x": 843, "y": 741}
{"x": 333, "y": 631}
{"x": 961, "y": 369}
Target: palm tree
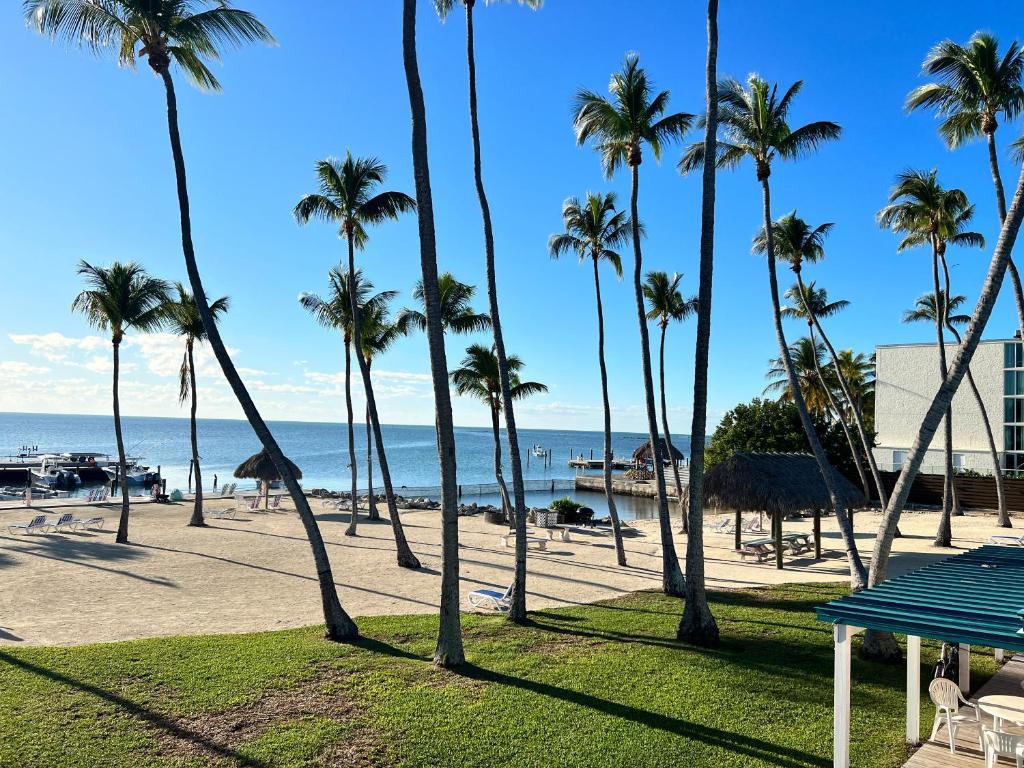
{"x": 595, "y": 230}
{"x": 182, "y": 318}
{"x": 117, "y": 299}
{"x": 755, "y": 121}
{"x": 480, "y": 378}
{"x": 885, "y": 646}
{"x": 806, "y": 355}
{"x": 811, "y": 304}
{"x": 186, "y": 32}
{"x": 976, "y": 87}
{"x": 335, "y": 312}
{"x": 457, "y": 314}
{"x": 620, "y": 128}
{"x": 449, "y": 649}
{"x": 925, "y": 213}
{"x": 348, "y": 197}
{"x": 517, "y": 609}
{"x": 925, "y": 310}
{"x": 697, "y": 625}
{"x": 666, "y": 304}
{"x": 797, "y": 243}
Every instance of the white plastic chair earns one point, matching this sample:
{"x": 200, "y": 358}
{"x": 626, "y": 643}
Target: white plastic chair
{"x": 996, "y": 745}
{"x": 491, "y": 599}
{"x": 948, "y": 701}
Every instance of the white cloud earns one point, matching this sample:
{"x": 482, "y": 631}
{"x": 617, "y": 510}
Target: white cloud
{"x": 56, "y": 347}
{"x": 18, "y": 369}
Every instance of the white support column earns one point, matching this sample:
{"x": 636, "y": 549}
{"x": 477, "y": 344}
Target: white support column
{"x": 913, "y": 690}
{"x": 841, "y": 700}
{"x": 999, "y": 655}
{"x": 965, "y": 669}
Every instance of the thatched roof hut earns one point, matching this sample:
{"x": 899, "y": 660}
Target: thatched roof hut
{"x": 776, "y": 483}
{"x": 643, "y": 453}
{"x": 261, "y": 467}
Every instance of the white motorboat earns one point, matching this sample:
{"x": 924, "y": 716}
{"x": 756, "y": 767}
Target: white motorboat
{"x": 137, "y": 474}
{"x": 51, "y": 474}
{"x": 539, "y": 450}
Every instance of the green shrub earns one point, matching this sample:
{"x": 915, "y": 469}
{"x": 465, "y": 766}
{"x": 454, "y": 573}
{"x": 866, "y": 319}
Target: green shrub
{"x": 565, "y": 506}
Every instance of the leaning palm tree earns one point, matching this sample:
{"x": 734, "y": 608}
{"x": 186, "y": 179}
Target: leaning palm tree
{"x": 449, "y": 650}
{"x": 976, "y": 87}
{"x": 697, "y": 625}
{"x": 182, "y": 318}
{"x": 595, "y": 230}
{"x": 806, "y": 355}
{"x": 457, "y": 313}
{"x": 187, "y": 32}
{"x": 517, "y": 608}
{"x": 926, "y": 310}
{"x": 755, "y": 123}
{"x": 665, "y": 304}
{"x": 478, "y": 377}
{"x": 620, "y": 128}
{"x": 926, "y": 213}
{"x": 335, "y": 312}
{"x": 117, "y": 299}
{"x": 348, "y": 197}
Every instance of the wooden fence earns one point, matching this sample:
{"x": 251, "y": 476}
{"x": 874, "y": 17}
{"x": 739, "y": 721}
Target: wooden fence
{"x": 973, "y": 492}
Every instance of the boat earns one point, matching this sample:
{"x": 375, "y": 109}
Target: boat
{"x": 14, "y": 493}
{"x": 137, "y": 474}
{"x": 51, "y": 474}
{"x": 539, "y": 450}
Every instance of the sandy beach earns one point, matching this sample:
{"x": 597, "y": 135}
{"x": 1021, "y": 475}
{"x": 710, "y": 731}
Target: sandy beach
{"x": 256, "y": 573}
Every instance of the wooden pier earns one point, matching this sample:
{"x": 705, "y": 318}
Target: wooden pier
{"x": 624, "y": 486}
{"x": 581, "y": 463}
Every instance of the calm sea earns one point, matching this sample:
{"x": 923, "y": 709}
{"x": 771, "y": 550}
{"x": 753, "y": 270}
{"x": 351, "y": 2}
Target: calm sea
{"x": 321, "y": 451}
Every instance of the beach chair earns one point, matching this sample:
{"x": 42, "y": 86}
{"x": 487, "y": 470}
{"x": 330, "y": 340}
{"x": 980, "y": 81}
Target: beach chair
{"x": 222, "y": 514}
{"x": 275, "y": 502}
{"x": 67, "y": 520}
{"x": 91, "y": 497}
{"x": 997, "y": 744}
{"x": 1007, "y": 541}
{"x": 491, "y": 600}
{"x": 38, "y": 523}
{"x": 725, "y": 525}
{"x": 950, "y": 706}
{"x": 91, "y": 522}
{"x": 752, "y": 525}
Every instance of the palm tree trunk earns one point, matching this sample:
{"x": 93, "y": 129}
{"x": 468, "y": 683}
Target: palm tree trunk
{"x": 944, "y": 535}
{"x": 371, "y": 499}
{"x": 339, "y": 625}
{"x": 449, "y": 650}
{"x": 197, "y": 508}
{"x": 997, "y": 181}
{"x": 499, "y": 476}
{"x": 620, "y": 550}
{"x": 517, "y": 609}
{"x": 406, "y": 559}
{"x": 854, "y": 453}
{"x": 352, "y": 528}
{"x": 672, "y": 582}
{"x": 122, "y": 462}
{"x": 664, "y": 427}
{"x": 697, "y": 625}
{"x": 944, "y": 396}
{"x": 858, "y": 574}
{"x": 1003, "y": 517}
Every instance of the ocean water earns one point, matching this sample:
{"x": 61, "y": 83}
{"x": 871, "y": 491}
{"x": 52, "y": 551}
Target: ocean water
{"x": 321, "y": 452}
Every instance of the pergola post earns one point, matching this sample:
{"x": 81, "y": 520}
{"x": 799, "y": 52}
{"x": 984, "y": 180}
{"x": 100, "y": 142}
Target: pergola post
{"x": 842, "y": 635}
{"x": 817, "y": 533}
{"x": 999, "y": 655}
{"x": 913, "y": 690}
{"x": 739, "y": 530}
{"x": 965, "y": 669}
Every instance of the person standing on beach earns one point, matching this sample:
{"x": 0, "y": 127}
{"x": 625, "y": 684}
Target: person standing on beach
{"x": 215, "y": 482}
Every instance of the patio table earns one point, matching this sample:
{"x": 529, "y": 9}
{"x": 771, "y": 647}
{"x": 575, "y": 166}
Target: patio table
{"x": 1009, "y": 708}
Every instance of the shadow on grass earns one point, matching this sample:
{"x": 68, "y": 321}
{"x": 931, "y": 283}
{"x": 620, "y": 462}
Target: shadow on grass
{"x": 150, "y": 717}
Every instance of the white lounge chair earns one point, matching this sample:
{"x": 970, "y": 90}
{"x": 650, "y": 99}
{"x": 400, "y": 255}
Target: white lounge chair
{"x": 275, "y": 502}
{"x": 222, "y": 514}
{"x": 997, "y": 744}
{"x": 1008, "y": 541}
{"x": 725, "y": 525}
{"x": 67, "y": 520}
{"x": 38, "y": 523}
{"x": 491, "y": 600}
{"x": 949, "y": 705}
{"x": 90, "y": 522}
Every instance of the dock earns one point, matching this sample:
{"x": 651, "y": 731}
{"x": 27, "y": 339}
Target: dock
{"x": 581, "y": 463}
{"x": 624, "y": 486}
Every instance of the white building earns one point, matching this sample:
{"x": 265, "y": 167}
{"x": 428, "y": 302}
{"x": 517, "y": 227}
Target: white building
{"x": 907, "y": 378}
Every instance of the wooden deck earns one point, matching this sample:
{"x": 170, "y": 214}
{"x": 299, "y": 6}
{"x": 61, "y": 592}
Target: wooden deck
{"x": 935, "y": 754}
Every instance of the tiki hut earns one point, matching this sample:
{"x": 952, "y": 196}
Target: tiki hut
{"x": 778, "y": 484}
{"x": 261, "y": 467}
{"x": 642, "y": 455}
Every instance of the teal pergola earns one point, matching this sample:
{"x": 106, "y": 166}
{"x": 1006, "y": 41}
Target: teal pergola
{"x": 976, "y": 598}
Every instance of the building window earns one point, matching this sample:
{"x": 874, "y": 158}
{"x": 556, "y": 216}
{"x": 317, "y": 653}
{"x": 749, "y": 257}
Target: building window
{"x": 958, "y": 461}
{"x": 1013, "y": 406}
{"x": 898, "y": 459}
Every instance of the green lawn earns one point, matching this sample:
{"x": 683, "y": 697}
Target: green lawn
{"x": 601, "y": 685}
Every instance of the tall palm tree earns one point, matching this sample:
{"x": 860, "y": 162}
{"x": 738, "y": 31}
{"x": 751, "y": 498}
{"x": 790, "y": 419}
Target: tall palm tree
{"x": 348, "y": 197}
{"x": 976, "y": 87}
{"x": 594, "y": 230}
{"x": 926, "y": 213}
{"x": 335, "y": 312}
{"x": 620, "y": 128}
{"x": 449, "y": 650}
{"x": 478, "y": 376}
{"x": 117, "y": 299}
{"x": 925, "y": 310}
{"x": 755, "y": 123}
{"x": 810, "y": 304}
{"x": 697, "y": 624}
{"x": 806, "y": 355}
{"x": 665, "y": 304}
{"x": 797, "y": 243}
{"x": 187, "y": 32}
{"x": 517, "y": 608}
{"x": 885, "y": 646}
{"x": 457, "y": 313}
{"x": 182, "y": 318}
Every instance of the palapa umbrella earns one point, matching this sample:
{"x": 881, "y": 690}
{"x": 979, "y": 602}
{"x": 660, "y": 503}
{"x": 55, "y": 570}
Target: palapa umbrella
{"x": 261, "y": 467}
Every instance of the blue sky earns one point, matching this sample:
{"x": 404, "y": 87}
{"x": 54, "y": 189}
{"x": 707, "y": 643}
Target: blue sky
{"x": 87, "y": 174}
